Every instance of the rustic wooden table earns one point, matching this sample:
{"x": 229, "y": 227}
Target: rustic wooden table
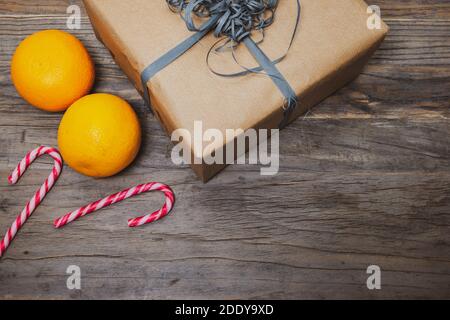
{"x": 365, "y": 179}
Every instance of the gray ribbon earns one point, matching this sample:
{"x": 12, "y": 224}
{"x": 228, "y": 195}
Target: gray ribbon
{"x": 233, "y": 21}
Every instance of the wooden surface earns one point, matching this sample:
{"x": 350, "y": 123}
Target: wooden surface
{"x": 364, "y": 179}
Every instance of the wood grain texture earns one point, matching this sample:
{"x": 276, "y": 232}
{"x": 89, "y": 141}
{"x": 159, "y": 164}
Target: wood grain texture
{"x": 364, "y": 179}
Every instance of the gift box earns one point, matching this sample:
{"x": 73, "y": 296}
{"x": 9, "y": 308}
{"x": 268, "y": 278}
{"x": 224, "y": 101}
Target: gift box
{"x": 331, "y": 47}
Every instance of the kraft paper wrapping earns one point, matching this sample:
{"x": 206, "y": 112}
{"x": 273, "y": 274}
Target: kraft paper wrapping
{"x": 332, "y": 46}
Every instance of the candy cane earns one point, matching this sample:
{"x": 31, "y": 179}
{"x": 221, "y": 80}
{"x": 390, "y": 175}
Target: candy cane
{"x": 40, "y": 193}
{"x": 120, "y": 196}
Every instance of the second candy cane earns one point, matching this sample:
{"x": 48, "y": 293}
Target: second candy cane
{"x": 120, "y": 196}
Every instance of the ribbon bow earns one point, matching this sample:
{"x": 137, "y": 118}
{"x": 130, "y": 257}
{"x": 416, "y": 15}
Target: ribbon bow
{"x": 236, "y": 18}
{"x": 233, "y": 21}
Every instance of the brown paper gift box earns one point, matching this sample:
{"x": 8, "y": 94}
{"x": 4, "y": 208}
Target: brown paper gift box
{"x": 332, "y": 46}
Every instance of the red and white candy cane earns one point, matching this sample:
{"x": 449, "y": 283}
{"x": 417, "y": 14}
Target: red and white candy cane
{"x": 120, "y": 196}
{"x": 38, "y": 196}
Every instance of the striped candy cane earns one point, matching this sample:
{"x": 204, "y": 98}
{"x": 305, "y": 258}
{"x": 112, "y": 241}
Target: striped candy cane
{"x": 120, "y": 196}
{"x": 40, "y": 193}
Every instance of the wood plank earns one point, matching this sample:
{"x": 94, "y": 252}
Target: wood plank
{"x": 294, "y": 236}
{"x": 406, "y": 78}
{"x": 400, "y": 9}
{"x": 364, "y": 179}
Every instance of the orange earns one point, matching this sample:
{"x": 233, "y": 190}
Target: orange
{"x": 52, "y": 69}
{"x": 99, "y": 135}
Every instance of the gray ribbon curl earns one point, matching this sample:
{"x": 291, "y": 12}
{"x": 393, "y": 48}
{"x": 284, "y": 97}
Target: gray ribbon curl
{"x": 233, "y": 21}
{"x": 237, "y": 18}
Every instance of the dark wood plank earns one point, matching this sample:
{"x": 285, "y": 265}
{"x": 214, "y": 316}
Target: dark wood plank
{"x": 411, "y": 9}
{"x": 364, "y": 179}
